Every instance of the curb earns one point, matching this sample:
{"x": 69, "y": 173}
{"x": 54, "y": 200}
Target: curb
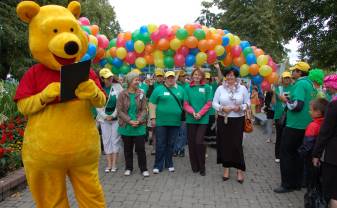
{"x": 12, "y": 183}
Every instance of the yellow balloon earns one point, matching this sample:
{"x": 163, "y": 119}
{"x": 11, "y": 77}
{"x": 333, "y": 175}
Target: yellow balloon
{"x": 262, "y": 60}
{"x": 236, "y": 40}
{"x": 159, "y": 63}
{"x": 213, "y": 30}
{"x": 175, "y": 44}
{"x": 107, "y": 54}
{"x": 139, "y": 46}
{"x": 265, "y": 70}
{"x": 140, "y": 62}
{"x": 152, "y": 27}
{"x": 158, "y": 54}
{"x": 244, "y": 70}
{"x": 121, "y": 52}
{"x": 201, "y": 58}
{"x": 219, "y": 50}
{"x": 93, "y": 40}
{"x": 231, "y": 38}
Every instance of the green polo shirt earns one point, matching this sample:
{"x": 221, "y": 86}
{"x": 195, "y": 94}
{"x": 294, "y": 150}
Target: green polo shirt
{"x": 157, "y": 84}
{"x": 183, "y": 85}
{"x": 143, "y": 86}
{"x": 129, "y": 130}
{"x": 197, "y": 96}
{"x": 302, "y": 90}
{"x": 279, "y": 105}
{"x": 168, "y": 112}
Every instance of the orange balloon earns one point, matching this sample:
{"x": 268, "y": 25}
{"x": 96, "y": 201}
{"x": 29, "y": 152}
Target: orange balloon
{"x": 238, "y": 61}
{"x": 220, "y": 32}
{"x": 253, "y": 47}
{"x": 211, "y": 44}
{"x": 228, "y": 49}
{"x": 120, "y": 36}
{"x": 254, "y": 69}
{"x": 190, "y": 28}
{"x": 127, "y": 35}
{"x": 191, "y": 42}
{"x": 163, "y": 44}
{"x": 149, "y": 49}
{"x": 272, "y": 78}
{"x": 175, "y": 28}
{"x": 202, "y": 45}
{"x": 258, "y": 52}
{"x": 94, "y": 30}
{"x": 228, "y": 60}
{"x": 112, "y": 51}
{"x": 100, "y": 53}
{"x": 149, "y": 59}
{"x": 217, "y": 38}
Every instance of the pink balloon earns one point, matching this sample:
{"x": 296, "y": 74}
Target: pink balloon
{"x": 183, "y": 50}
{"x": 163, "y": 26}
{"x": 120, "y": 42}
{"x": 84, "y": 21}
{"x": 103, "y": 41}
{"x": 170, "y": 34}
{"x": 265, "y": 85}
{"x": 236, "y": 51}
{"x": 155, "y": 36}
{"x": 163, "y": 33}
{"x": 130, "y": 58}
{"x": 179, "y": 60}
{"x": 197, "y": 26}
{"x": 211, "y": 56}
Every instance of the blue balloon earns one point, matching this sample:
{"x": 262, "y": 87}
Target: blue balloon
{"x": 244, "y": 44}
{"x": 143, "y": 29}
{"x": 225, "y": 41}
{"x": 85, "y": 57}
{"x": 251, "y": 59}
{"x": 194, "y": 51}
{"x": 91, "y": 50}
{"x": 117, "y": 62}
{"x": 226, "y": 31}
{"x": 129, "y": 45}
{"x": 103, "y": 62}
{"x": 257, "y": 79}
{"x": 222, "y": 57}
{"x": 190, "y": 60}
{"x": 236, "y": 68}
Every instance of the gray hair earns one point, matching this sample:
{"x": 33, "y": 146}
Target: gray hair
{"x": 130, "y": 76}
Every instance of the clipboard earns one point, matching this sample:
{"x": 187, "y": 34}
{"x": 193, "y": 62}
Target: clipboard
{"x": 71, "y": 76}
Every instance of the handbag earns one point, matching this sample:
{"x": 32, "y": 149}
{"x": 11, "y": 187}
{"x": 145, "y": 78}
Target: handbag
{"x": 183, "y": 114}
{"x": 314, "y": 198}
{"x": 248, "y": 125}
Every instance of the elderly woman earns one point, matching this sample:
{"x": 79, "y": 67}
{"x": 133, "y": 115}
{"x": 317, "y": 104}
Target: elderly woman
{"x": 327, "y": 143}
{"x": 132, "y": 111}
{"x": 107, "y": 118}
{"x": 230, "y": 101}
{"x": 166, "y": 108}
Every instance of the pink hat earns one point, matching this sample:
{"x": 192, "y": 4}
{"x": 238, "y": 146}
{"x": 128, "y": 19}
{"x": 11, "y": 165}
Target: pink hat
{"x": 330, "y": 81}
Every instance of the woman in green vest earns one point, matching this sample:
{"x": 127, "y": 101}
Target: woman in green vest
{"x": 197, "y": 103}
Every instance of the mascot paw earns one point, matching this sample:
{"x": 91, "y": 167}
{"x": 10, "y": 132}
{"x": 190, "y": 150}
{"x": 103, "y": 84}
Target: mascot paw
{"x": 86, "y": 90}
{"x": 50, "y": 92}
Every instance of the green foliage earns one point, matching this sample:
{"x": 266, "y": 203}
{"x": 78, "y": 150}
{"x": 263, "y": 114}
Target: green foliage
{"x": 8, "y": 107}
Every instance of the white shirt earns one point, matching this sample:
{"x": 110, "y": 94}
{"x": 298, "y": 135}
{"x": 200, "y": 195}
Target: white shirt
{"x": 224, "y": 97}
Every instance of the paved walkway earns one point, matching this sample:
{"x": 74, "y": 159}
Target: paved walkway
{"x": 186, "y": 189}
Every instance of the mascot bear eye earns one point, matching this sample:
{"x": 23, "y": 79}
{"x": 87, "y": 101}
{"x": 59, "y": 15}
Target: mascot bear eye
{"x": 55, "y": 30}
{"x": 71, "y": 29}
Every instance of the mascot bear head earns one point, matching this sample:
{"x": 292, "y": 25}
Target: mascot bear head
{"x": 55, "y": 36}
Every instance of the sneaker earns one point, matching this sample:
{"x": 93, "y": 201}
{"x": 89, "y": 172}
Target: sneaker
{"x": 182, "y": 154}
{"x": 155, "y": 171}
{"x": 175, "y": 154}
{"x": 171, "y": 169}
{"x": 114, "y": 169}
{"x": 107, "y": 170}
{"x": 127, "y": 172}
{"x": 153, "y": 152}
{"x": 277, "y": 160}
{"x": 268, "y": 140}
{"x": 146, "y": 173}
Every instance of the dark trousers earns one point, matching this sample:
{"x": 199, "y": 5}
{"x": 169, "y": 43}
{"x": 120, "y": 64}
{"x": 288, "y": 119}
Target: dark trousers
{"x": 291, "y": 162}
{"x": 196, "y": 146}
{"x": 279, "y": 129}
{"x": 139, "y": 143}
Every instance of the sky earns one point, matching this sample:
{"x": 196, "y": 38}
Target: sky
{"x": 133, "y": 14}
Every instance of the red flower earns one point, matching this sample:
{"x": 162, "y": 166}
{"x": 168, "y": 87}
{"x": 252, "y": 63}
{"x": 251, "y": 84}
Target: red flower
{"x": 21, "y": 132}
{"x": 2, "y": 152}
{"x": 11, "y": 125}
{"x": 11, "y": 137}
{"x": 2, "y": 126}
{"x": 3, "y": 138}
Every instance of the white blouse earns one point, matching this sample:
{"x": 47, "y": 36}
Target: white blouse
{"x": 224, "y": 97}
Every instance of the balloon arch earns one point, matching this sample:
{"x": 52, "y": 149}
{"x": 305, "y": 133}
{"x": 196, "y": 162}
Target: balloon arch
{"x": 174, "y": 47}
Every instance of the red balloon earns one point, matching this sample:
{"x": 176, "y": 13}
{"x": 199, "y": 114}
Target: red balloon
{"x": 183, "y": 50}
{"x": 155, "y": 36}
{"x": 265, "y": 85}
{"x": 130, "y": 58}
{"x": 120, "y": 42}
{"x": 179, "y": 60}
{"x": 211, "y": 54}
{"x": 236, "y": 51}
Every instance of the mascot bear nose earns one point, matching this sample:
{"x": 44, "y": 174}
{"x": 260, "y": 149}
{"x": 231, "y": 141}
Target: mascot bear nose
{"x": 71, "y": 48}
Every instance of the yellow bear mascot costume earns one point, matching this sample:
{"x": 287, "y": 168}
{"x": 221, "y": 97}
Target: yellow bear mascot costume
{"x": 60, "y": 139}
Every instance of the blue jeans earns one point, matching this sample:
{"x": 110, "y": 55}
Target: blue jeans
{"x": 165, "y": 136}
{"x": 180, "y": 140}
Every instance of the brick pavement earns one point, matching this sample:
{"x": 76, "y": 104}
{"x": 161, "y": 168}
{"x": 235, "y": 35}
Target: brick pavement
{"x": 186, "y": 189}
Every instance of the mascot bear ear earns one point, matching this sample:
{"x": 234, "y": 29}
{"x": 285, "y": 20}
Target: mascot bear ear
{"x": 26, "y": 10}
{"x": 75, "y": 8}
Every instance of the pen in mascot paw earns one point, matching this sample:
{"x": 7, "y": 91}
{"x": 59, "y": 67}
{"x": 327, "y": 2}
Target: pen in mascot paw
{"x": 61, "y": 139}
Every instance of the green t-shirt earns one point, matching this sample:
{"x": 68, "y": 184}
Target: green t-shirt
{"x": 128, "y": 130}
{"x": 183, "y": 85}
{"x": 157, "y": 84}
{"x": 111, "y": 102}
{"x": 213, "y": 86}
{"x": 279, "y": 105}
{"x": 168, "y": 111}
{"x": 302, "y": 90}
{"x": 197, "y": 96}
{"x": 143, "y": 86}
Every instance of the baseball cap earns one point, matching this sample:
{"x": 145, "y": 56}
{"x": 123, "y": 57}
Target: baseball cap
{"x": 136, "y": 71}
{"x": 105, "y": 73}
{"x": 169, "y": 73}
{"x": 181, "y": 73}
{"x": 159, "y": 72}
{"x": 207, "y": 75}
{"x": 303, "y": 66}
{"x": 286, "y": 74}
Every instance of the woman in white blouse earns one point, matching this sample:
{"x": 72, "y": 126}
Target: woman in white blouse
{"x": 231, "y": 99}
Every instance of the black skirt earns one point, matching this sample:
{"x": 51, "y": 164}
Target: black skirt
{"x": 229, "y": 142}
{"x": 329, "y": 173}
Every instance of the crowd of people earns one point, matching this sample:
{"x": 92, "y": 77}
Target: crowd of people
{"x": 173, "y": 110}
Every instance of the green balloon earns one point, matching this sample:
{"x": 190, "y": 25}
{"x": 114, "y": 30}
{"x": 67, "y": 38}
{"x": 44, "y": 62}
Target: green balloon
{"x": 112, "y": 43}
{"x": 115, "y": 70}
{"x": 168, "y": 62}
{"x": 199, "y": 34}
{"x": 247, "y": 51}
{"x": 125, "y": 69}
{"x": 86, "y": 29}
{"x": 169, "y": 52}
{"x": 110, "y": 60}
{"x": 181, "y": 34}
{"x": 145, "y": 37}
{"x": 136, "y": 35}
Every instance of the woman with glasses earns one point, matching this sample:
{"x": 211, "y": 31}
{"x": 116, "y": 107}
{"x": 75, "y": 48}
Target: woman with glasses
{"x": 230, "y": 101}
